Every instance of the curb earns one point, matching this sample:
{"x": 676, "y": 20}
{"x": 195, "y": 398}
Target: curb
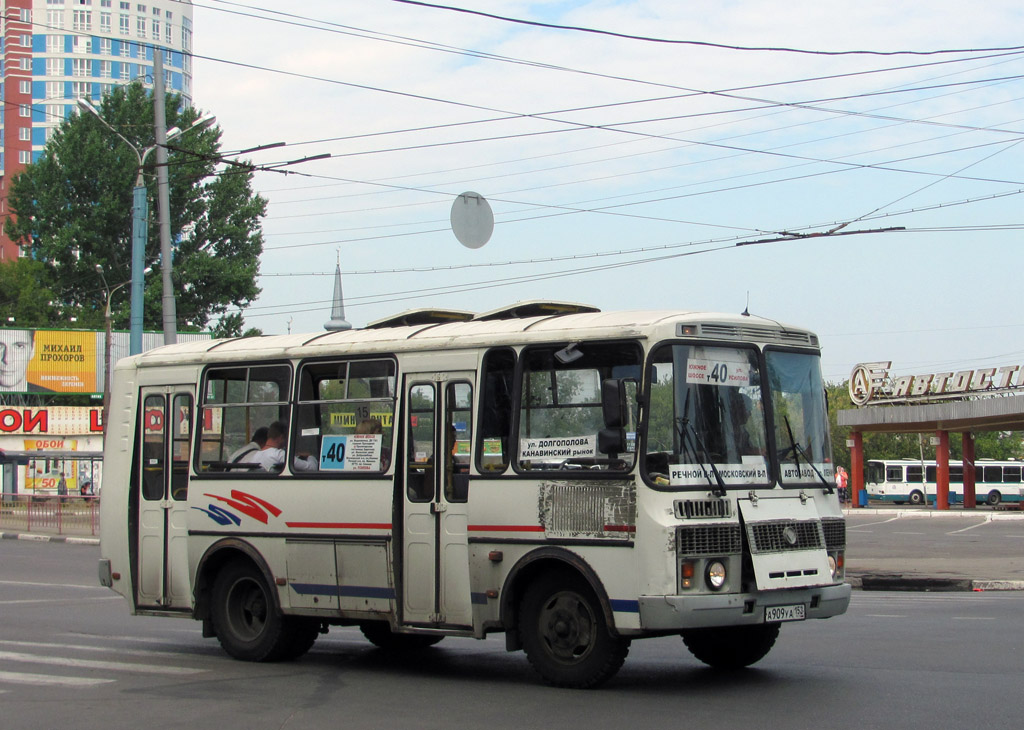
{"x": 50, "y": 538}
{"x": 878, "y": 512}
{"x": 927, "y": 584}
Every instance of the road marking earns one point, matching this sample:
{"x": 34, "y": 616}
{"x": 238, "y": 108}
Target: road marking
{"x": 52, "y": 585}
{"x": 96, "y": 664}
{"x": 869, "y": 524}
{"x": 45, "y": 679}
{"x": 973, "y": 618}
{"x": 88, "y": 647}
{"x": 58, "y": 600}
{"x": 968, "y": 528}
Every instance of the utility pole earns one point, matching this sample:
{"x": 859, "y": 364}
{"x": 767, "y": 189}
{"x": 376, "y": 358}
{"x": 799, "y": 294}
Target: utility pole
{"x": 170, "y": 315}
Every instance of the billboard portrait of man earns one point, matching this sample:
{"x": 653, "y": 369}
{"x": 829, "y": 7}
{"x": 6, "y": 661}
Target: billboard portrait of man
{"x": 17, "y": 348}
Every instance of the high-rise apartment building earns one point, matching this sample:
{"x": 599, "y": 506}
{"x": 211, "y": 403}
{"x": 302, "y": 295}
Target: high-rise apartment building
{"x": 53, "y": 52}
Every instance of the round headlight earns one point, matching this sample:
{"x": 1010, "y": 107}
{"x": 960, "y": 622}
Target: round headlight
{"x": 714, "y": 575}
{"x": 832, "y": 566}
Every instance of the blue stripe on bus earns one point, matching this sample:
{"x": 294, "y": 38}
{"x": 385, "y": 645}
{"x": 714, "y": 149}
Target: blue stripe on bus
{"x": 620, "y": 605}
{"x": 323, "y": 589}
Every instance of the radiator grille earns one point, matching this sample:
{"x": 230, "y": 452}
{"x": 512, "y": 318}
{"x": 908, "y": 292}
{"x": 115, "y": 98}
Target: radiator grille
{"x": 784, "y": 535}
{"x": 709, "y": 540}
{"x": 835, "y": 533}
{"x": 696, "y": 508}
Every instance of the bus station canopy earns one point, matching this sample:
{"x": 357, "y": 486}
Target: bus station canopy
{"x": 1003, "y": 413}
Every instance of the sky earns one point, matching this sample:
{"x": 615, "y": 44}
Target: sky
{"x": 873, "y": 198}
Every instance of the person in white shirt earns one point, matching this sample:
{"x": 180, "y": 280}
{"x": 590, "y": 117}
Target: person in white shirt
{"x": 271, "y": 455}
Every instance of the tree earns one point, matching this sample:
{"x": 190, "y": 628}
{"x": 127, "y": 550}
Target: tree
{"x": 26, "y": 294}
{"x": 73, "y": 210}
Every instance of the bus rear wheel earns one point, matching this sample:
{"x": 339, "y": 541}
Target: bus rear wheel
{"x": 565, "y": 635}
{"x": 994, "y": 497}
{"x": 731, "y": 647}
{"x": 248, "y": 623}
{"x": 916, "y": 497}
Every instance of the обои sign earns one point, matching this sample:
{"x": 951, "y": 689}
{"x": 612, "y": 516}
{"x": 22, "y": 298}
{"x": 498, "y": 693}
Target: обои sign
{"x": 871, "y": 382}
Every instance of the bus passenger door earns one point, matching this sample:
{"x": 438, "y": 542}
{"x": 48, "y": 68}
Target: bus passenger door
{"x": 435, "y": 554}
{"x": 161, "y": 498}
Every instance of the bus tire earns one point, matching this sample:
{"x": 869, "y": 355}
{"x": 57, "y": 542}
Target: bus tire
{"x": 565, "y": 635}
{"x": 246, "y": 619}
{"x": 379, "y": 634}
{"x": 731, "y": 647}
{"x": 994, "y": 498}
{"x": 916, "y": 497}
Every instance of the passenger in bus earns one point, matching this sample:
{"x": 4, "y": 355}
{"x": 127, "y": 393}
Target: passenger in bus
{"x": 259, "y": 438}
{"x": 270, "y": 456}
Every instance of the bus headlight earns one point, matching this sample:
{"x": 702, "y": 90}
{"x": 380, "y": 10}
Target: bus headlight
{"x": 835, "y": 565}
{"x": 714, "y": 575}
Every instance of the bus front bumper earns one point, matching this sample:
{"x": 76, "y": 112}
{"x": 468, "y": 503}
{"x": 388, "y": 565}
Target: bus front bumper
{"x": 733, "y": 609}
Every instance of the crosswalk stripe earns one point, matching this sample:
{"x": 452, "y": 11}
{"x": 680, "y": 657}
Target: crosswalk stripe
{"x": 96, "y": 664}
{"x": 45, "y": 679}
{"x": 88, "y": 647}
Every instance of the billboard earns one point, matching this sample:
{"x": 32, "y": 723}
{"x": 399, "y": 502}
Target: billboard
{"x": 64, "y": 361}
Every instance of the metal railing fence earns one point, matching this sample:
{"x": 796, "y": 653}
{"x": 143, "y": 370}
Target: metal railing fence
{"x": 50, "y": 515}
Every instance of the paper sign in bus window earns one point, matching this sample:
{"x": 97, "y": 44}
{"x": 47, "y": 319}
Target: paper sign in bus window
{"x": 355, "y": 452}
{"x": 718, "y": 372}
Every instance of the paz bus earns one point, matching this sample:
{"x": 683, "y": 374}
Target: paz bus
{"x": 900, "y": 481}
{"x": 571, "y": 478}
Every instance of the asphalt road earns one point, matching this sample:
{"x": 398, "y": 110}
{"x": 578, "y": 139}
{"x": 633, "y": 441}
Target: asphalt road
{"x": 72, "y": 657}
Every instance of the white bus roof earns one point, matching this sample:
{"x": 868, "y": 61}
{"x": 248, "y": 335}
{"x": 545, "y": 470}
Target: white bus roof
{"x": 498, "y": 327}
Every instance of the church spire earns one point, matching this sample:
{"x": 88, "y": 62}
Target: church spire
{"x": 338, "y": 323}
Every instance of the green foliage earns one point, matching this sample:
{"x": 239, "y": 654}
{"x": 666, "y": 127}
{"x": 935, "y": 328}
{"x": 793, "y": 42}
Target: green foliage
{"x": 26, "y": 294}
{"x": 988, "y": 444}
{"x": 74, "y": 210}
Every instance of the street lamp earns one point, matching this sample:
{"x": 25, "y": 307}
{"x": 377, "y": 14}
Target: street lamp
{"x": 140, "y": 212}
{"x": 106, "y": 323}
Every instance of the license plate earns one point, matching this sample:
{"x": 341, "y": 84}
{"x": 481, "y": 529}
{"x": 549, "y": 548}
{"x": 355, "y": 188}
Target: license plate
{"x": 776, "y": 614}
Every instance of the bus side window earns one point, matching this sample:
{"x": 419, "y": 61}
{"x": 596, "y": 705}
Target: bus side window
{"x": 153, "y": 448}
{"x": 495, "y": 423}
{"x": 181, "y": 438}
{"x": 420, "y": 476}
{"x": 894, "y": 474}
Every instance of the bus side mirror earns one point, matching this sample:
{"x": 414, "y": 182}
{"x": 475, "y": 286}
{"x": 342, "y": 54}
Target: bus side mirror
{"x": 613, "y": 402}
{"x": 611, "y": 439}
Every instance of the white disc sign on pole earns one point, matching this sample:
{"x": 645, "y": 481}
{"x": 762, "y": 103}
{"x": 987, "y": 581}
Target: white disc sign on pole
{"x": 472, "y": 220}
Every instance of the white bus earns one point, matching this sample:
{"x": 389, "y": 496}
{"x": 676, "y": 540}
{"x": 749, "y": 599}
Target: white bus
{"x": 572, "y": 478}
{"x": 900, "y": 481}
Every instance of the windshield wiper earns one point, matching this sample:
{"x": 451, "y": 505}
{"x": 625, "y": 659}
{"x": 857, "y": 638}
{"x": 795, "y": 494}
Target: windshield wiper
{"x": 798, "y": 451}
{"x": 700, "y": 452}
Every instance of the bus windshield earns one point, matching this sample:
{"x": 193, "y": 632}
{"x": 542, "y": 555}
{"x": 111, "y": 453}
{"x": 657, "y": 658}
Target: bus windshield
{"x": 800, "y": 419}
{"x": 706, "y": 426}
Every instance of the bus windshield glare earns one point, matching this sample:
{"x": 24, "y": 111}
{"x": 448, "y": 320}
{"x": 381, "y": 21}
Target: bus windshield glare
{"x": 708, "y": 426}
{"x": 800, "y": 419}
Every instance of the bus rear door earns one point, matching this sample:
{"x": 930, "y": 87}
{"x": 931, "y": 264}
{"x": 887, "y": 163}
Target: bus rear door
{"x": 435, "y": 550}
{"x": 161, "y": 501}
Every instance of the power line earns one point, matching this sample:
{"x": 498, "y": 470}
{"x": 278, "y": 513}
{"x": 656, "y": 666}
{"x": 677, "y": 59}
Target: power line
{"x": 706, "y": 44}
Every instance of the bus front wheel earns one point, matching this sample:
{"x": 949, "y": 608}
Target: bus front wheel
{"x": 731, "y": 647}
{"x": 248, "y": 623}
{"x": 565, "y": 635}
{"x": 916, "y": 497}
{"x": 994, "y": 498}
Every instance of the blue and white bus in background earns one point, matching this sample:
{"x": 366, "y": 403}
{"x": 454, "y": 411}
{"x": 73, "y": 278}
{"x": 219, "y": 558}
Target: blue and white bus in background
{"x": 900, "y": 481}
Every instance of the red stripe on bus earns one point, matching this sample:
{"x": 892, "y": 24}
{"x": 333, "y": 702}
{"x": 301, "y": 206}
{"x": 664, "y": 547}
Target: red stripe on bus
{"x": 619, "y": 528}
{"x": 506, "y": 528}
{"x": 343, "y": 525}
